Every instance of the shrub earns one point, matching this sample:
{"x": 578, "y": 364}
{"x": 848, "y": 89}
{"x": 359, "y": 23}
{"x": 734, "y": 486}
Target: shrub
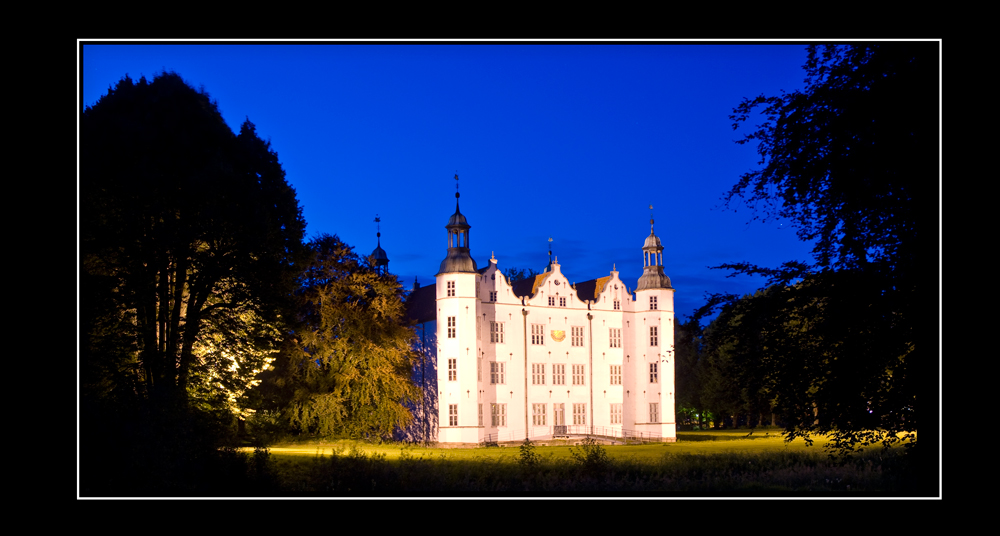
{"x": 527, "y": 456}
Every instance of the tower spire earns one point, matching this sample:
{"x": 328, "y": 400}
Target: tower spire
{"x": 458, "y": 259}
{"x": 549, "y": 267}
{"x": 381, "y": 259}
{"x": 652, "y": 260}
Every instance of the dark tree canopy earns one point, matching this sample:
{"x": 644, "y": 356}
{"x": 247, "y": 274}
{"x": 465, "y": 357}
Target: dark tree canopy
{"x": 850, "y": 159}
{"x": 514, "y": 275}
{"x": 189, "y": 238}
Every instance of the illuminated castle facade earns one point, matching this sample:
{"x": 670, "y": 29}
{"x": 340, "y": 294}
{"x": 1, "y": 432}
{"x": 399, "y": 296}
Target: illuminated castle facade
{"x": 543, "y": 358}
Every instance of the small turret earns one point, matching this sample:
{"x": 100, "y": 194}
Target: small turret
{"x": 458, "y": 259}
{"x": 652, "y": 259}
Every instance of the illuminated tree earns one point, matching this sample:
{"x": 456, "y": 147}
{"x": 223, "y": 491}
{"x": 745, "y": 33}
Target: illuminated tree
{"x": 189, "y": 237}
{"x": 348, "y": 366}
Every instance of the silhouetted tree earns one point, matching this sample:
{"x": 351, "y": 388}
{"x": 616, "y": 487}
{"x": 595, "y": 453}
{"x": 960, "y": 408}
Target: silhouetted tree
{"x": 850, "y": 159}
{"x": 183, "y": 226}
{"x": 348, "y": 366}
{"x": 189, "y": 239}
{"x": 514, "y": 275}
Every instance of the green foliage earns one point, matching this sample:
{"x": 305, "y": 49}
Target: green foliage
{"x": 706, "y": 470}
{"x": 527, "y": 456}
{"x": 348, "y": 365}
{"x": 591, "y": 456}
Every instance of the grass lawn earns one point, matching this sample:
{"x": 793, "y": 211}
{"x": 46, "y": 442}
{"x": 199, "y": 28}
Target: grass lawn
{"x": 697, "y": 443}
{"x": 699, "y": 463}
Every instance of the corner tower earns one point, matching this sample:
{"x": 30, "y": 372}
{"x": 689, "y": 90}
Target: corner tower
{"x": 651, "y": 377}
{"x": 457, "y": 318}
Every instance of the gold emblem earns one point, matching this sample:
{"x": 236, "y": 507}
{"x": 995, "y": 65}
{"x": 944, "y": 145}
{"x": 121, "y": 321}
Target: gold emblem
{"x": 558, "y": 335}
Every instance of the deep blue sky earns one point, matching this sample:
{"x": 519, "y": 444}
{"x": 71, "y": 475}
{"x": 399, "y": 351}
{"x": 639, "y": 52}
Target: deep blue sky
{"x": 563, "y": 140}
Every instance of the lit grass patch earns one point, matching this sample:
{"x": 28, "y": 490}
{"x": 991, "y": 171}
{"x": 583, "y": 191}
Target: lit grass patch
{"x": 724, "y": 464}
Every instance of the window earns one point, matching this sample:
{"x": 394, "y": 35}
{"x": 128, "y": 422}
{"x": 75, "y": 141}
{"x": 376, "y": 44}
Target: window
{"x": 578, "y": 374}
{"x": 451, "y": 327}
{"x": 538, "y": 414}
{"x": 558, "y": 414}
{"x": 653, "y": 338}
{"x": 496, "y": 331}
{"x": 479, "y": 370}
{"x": 552, "y": 301}
{"x": 654, "y": 376}
{"x": 497, "y": 373}
{"x": 452, "y": 370}
{"x": 480, "y": 414}
{"x": 616, "y": 337}
{"x": 652, "y": 303}
{"x": 577, "y": 338}
{"x": 558, "y": 374}
{"x": 618, "y": 305}
{"x": 499, "y": 414}
{"x": 537, "y": 334}
{"x": 493, "y": 296}
{"x": 538, "y": 374}
{"x": 479, "y": 330}
{"x": 562, "y": 302}
{"x": 616, "y": 374}
{"x": 654, "y": 412}
{"x": 579, "y": 413}
{"x": 451, "y": 288}
{"x": 452, "y": 414}
{"x": 616, "y": 413}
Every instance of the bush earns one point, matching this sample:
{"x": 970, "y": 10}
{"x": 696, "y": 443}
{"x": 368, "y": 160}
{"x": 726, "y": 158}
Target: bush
{"x": 591, "y": 456}
{"x": 527, "y": 456}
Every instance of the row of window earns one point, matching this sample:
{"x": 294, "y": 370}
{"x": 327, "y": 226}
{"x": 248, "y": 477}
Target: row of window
{"x": 498, "y": 373}
{"x": 539, "y": 414}
{"x": 538, "y": 334}
{"x": 552, "y": 299}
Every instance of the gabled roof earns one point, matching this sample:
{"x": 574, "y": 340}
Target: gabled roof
{"x": 527, "y": 288}
{"x": 591, "y": 290}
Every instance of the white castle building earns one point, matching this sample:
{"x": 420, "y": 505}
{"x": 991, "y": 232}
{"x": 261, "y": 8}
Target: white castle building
{"x": 542, "y": 357}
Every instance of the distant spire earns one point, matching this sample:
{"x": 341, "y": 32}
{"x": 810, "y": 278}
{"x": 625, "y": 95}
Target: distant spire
{"x": 549, "y": 267}
{"x": 381, "y": 259}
